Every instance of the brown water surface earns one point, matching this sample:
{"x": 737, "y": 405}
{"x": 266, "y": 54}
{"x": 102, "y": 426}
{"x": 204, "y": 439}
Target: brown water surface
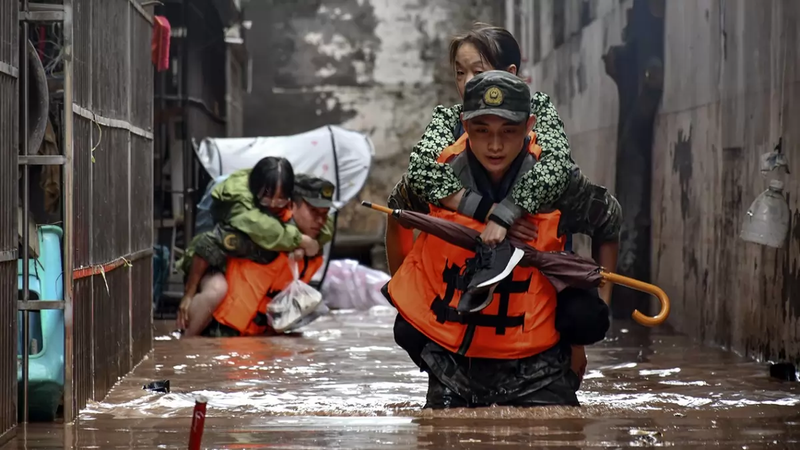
{"x": 344, "y": 383}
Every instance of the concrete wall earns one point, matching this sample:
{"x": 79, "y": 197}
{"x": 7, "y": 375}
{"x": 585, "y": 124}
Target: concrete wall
{"x": 377, "y": 66}
{"x": 732, "y": 88}
{"x": 574, "y": 76}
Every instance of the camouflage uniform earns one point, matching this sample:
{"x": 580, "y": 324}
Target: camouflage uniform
{"x": 589, "y": 209}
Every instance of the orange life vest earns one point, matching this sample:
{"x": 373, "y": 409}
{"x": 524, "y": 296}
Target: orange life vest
{"x": 520, "y": 321}
{"x": 251, "y": 286}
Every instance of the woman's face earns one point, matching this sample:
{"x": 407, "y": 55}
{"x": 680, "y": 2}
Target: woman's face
{"x": 469, "y": 62}
{"x": 274, "y": 201}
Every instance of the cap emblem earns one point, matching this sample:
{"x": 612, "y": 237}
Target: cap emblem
{"x": 493, "y": 96}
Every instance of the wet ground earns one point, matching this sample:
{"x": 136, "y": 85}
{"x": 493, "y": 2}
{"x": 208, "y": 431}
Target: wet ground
{"x": 344, "y": 384}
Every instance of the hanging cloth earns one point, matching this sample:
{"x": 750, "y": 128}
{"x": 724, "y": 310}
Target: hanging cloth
{"x": 160, "y": 43}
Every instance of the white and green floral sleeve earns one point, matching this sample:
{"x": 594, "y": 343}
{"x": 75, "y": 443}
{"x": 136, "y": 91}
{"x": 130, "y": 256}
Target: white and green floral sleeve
{"x": 542, "y": 185}
{"x": 429, "y": 178}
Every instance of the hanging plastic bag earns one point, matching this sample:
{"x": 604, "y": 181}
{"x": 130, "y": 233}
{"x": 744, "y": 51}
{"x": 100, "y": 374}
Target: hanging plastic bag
{"x": 321, "y": 310}
{"x": 294, "y": 303}
{"x": 767, "y": 220}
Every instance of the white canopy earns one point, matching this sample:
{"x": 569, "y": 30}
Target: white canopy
{"x": 341, "y": 156}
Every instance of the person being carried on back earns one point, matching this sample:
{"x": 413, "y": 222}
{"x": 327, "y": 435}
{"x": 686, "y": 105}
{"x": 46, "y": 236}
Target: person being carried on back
{"x": 256, "y": 203}
{"x": 516, "y": 350}
{"x": 554, "y": 180}
{"x": 254, "y": 284}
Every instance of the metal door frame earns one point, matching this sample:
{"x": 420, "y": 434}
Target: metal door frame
{"x": 37, "y": 13}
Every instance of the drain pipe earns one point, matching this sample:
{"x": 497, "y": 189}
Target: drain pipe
{"x": 510, "y": 16}
{"x": 637, "y": 69}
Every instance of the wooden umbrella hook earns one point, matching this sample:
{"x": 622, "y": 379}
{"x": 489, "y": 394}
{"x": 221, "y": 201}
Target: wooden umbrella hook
{"x": 647, "y": 288}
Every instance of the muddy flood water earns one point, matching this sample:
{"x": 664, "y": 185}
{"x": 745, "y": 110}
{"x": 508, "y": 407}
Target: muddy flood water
{"x": 344, "y": 384}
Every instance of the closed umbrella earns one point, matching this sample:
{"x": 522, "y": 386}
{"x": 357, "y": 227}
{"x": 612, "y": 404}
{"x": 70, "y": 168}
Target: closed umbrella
{"x": 562, "y": 269}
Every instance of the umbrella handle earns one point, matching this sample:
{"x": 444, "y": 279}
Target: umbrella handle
{"x": 380, "y": 208}
{"x": 648, "y": 288}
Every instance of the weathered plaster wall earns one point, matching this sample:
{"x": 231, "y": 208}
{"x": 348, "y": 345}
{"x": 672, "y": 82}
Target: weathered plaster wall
{"x": 574, "y": 76}
{"x": 732, "y": 88}
{"x": 378, "y": 66}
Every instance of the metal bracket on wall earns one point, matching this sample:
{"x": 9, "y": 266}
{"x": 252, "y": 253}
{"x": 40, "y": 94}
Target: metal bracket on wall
{"x": 42, "y": 12}
{"x": 39, "y": 305}
{"x": 9, "y": 70}
{"x": 41, "y": 160}
{"x": 8, "y": 255}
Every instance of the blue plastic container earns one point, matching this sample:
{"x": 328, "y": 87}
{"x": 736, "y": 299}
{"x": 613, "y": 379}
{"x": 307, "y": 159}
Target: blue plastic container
{"x": 46, "y": 344}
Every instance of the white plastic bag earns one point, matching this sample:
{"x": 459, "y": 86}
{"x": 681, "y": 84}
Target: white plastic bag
{"x": 321, "y": 310}
{"x": 294, "y": 303}
{"x": 349, "y": 285}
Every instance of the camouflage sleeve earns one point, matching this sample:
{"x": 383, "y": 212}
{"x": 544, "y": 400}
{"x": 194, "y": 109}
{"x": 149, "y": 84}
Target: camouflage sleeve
{"x": 217, "y": 245}
{"x": 587, "y": 208}
{"x": 404, "y": 197}
{"x": 434, "y": 180}
{"x": 209, "y": 247}
{"x": 548, "y": 179}
{"x": 326, "y": 233}
{"x": 238, "y": 244}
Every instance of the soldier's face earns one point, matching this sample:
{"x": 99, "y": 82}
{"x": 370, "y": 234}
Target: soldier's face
{"x": 495, "y": 142}
{"x": 309, "y": 219}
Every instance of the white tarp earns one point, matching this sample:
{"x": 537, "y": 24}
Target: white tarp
{"x": 349, "y": 285}
{"x": 317, "y": 152}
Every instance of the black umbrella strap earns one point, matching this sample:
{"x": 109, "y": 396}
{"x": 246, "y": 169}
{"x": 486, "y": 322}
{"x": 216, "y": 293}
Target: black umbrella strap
{"x": 445, "y": 313}
{"x": 454, "y": 282}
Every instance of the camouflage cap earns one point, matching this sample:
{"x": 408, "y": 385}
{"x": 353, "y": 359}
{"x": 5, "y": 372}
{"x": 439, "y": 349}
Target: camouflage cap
{"x": 497, "y": 93}
{"x": 317, "y": 192}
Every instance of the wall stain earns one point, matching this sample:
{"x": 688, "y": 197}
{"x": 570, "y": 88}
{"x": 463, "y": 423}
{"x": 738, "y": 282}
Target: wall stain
{"x": 559, "y": 22}
{"x": 682, "y": 165}
{"x": 791, "y": 268}
{"x": 581, "y": 73}
{"x": 330, "y": 42}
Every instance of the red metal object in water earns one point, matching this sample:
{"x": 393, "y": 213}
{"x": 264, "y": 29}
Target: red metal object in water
{"x": 198, "y": 422}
